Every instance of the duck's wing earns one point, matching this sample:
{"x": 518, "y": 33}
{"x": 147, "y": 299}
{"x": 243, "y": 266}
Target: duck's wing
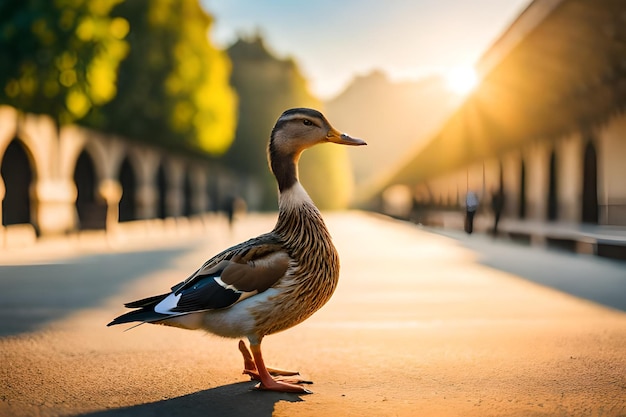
{"x": 249, "y": 250}
{"x": 229, "y": 277}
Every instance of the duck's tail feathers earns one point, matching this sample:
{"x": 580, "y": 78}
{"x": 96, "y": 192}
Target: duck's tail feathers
{"x": 146, "y": 302}
{"x": 144, "y": 315}
{"x": 145, "y": 312}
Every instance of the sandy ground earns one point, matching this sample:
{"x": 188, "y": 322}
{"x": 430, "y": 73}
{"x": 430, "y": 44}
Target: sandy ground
{"x": 417, "y": 327}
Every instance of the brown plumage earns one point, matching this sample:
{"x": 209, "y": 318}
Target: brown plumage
{"x": 269, "y": 283}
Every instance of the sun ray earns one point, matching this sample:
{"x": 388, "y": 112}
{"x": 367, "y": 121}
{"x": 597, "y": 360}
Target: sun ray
{"x": 461, "y": 80}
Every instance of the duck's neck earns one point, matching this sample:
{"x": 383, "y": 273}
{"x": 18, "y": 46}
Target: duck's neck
{"x": 294, "y": 199}
{"x": 297, "y": 215}
{"x": 285, "y": 169}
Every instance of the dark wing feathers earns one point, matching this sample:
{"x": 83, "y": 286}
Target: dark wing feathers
{"x": 206, "y": 294}
{"x": 257, "y": 246}
{"x": 230, "y": 281}
{"x": 146, "y": 302}
{"x": 146, "y": 315}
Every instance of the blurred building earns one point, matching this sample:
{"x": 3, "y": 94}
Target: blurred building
{"x": 546, "y": 127}
{"x": 59, "y": 181}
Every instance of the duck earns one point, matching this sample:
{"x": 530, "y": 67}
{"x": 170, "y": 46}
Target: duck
{"x": 268, "y": 283}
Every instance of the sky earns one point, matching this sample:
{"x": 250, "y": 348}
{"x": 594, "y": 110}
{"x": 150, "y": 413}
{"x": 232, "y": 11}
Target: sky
{"x": 333, "y": 41}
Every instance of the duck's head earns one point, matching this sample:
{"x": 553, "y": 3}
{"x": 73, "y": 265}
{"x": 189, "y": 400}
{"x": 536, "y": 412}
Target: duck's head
{"x": 296, "y": 130}
{"x": 299, "y": 129}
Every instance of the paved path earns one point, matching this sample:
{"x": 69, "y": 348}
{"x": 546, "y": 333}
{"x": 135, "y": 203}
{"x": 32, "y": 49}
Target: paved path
{"x": 420, "y": 325}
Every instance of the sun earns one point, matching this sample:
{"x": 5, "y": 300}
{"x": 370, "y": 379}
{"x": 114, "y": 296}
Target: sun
{"x": 461, "y": 80}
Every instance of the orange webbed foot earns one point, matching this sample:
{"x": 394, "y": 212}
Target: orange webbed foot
{"x": 271, "y": 379}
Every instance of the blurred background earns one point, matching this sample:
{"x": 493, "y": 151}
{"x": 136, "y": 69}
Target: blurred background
{"x": 118, "y": 112}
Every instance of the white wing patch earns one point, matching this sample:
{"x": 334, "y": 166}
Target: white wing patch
{"x": 242, "y": 294}
{"x": 170, "y": 302}
{"x": 226, "y": 286}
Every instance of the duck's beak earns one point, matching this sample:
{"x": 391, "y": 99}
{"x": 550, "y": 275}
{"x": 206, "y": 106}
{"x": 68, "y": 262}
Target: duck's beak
{"x": 335, "y": 136}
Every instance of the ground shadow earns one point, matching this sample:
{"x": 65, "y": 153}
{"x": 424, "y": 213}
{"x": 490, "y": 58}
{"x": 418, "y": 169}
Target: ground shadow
{"x": 590, "y": 277}
{"x": 232, "y": 400}
{"x": 33, "y": 295}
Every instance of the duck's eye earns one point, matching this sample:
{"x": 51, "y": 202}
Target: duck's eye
{"x": 307, "y": 122}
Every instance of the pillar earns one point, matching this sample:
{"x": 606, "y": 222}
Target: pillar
{"x": 537, "y": 175}
{"x": 53, "y": 208}
{"x": 611, "y": 154}
{"x": 110, "y": 191}
{"x": 570, "y": 153}
{"x": 511, "y": 171}
{"x": 175, "y": 192}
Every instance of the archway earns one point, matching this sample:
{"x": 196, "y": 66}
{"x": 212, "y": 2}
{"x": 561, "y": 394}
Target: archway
{"x": 91, "y": 211}
{"x": 590, "y": 185}
{"x": 522, "y": 191}
{"x": 17, "y": 174}
{"x": 187, "y": 196}
{"x": 127, "y": 179}
{"x": 162, "y": 190}
{"x": 212, "y": 194}
{"x": 552, "y": 212}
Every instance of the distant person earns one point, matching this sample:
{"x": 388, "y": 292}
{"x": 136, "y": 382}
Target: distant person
{"x": 229, "y": 208}
{"x": 234, "y": 206}
{"x": 471, "y": 205}
{"x": 497, "y": 204}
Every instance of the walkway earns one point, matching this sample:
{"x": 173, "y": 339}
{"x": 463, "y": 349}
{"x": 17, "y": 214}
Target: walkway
{"x": 602, "y": 240}
{"x": 418, "y": 326}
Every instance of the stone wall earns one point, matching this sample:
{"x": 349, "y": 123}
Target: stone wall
{"x": 191, "y": 185}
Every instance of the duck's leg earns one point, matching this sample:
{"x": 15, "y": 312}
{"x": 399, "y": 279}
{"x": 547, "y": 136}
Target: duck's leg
{"x": 249, "y": 367}
{"x": 262, "y": 374}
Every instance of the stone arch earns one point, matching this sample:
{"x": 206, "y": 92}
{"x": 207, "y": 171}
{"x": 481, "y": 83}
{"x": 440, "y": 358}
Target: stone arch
{"x": 161, "y": 184}
{"x": 188, "y": 208}
{"x": 590, "y": 185}
{"x": 552, "y": 206}
{"x": 522, "y": 190}
{"x": 212, "y": 191}
{"x": 500, "y": 176}
{"x": 198, "y": 173}
{"x": 90, "y": 209}
{"x": 98, "y": 155}
{"x": 18, "y": 174}
{"x": 127, "y": 178}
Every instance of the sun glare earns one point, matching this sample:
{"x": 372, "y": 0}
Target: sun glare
{"x": 461, "y": 80}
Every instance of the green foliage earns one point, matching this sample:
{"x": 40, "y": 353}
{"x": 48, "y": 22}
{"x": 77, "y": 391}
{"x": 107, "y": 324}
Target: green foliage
{"x": 267, "y": 86}
{"x": 173, "y": 87}
{"x": 59, "y": 57}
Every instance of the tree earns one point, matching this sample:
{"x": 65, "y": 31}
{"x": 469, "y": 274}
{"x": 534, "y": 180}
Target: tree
{"x": 173, "y": 86}
{"x": 60, "y": 57}
{"x": 267, "y": 86}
